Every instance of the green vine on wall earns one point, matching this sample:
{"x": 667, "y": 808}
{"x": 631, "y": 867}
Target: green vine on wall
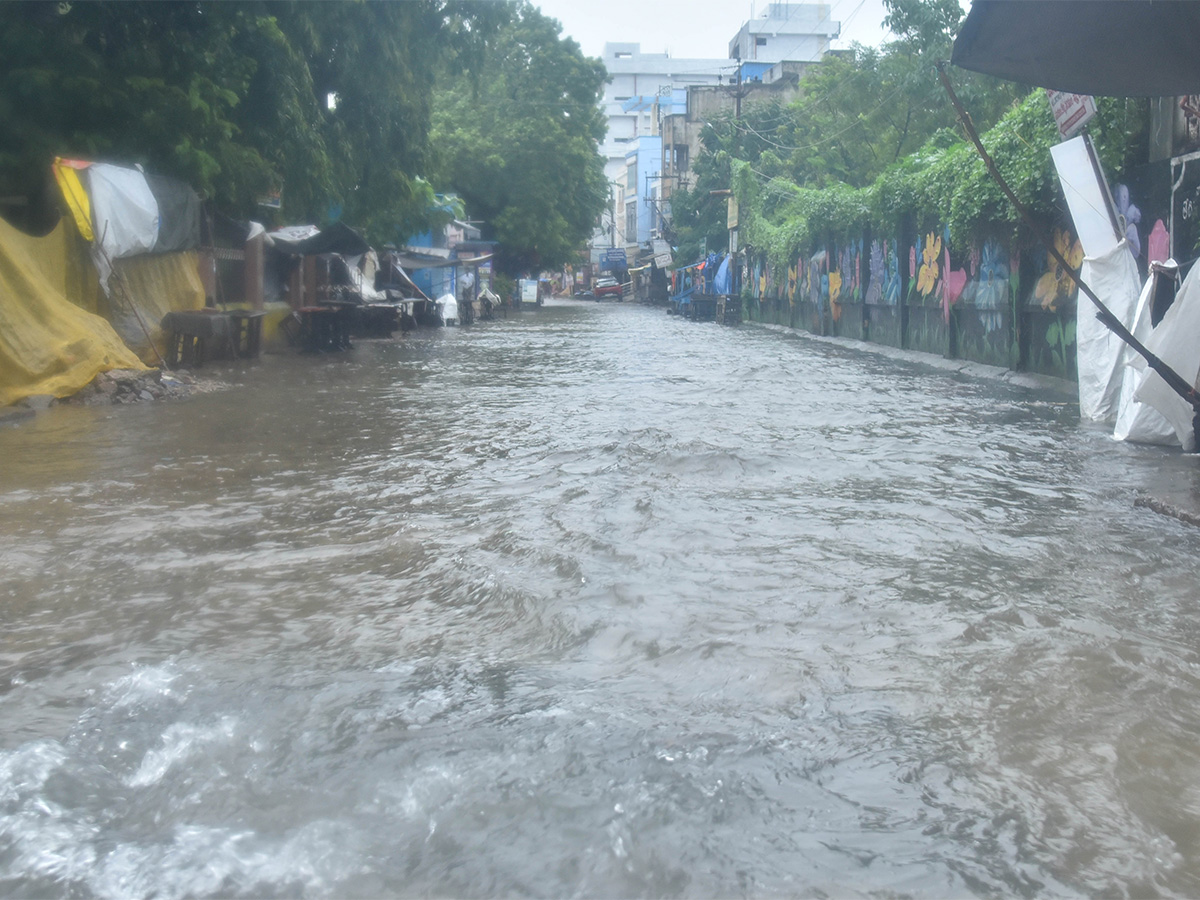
{"x": 944, "y": 185}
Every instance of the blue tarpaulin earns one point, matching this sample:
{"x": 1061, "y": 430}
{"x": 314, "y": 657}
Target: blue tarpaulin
{"x": 723, "y": 283}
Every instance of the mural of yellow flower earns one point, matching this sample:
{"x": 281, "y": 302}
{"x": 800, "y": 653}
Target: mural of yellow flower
{"x": 1057, "y": 284}
{"x": 928, "y": 275}
{"x": 835, "y": 286}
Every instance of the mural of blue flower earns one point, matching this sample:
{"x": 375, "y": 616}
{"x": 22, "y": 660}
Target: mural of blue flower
{"x": 991, "y": 290}
{"x": 1130, "y": 215}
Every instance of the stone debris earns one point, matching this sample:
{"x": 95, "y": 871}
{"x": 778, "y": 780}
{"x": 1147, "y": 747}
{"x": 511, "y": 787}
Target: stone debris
{"x": 134, "y": 386}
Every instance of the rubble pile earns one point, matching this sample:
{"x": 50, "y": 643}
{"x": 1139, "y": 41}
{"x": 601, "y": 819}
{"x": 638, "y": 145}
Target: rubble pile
{"x": 133, "y": 386}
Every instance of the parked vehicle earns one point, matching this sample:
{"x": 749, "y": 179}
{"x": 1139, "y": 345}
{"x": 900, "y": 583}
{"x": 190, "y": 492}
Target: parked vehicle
{"x": 607, "y": 287}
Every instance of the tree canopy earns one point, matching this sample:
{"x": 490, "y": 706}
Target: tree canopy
{"x": 517, "y": 139}
{"x": 860, "y": 114}
{"x": 328, "y": 103}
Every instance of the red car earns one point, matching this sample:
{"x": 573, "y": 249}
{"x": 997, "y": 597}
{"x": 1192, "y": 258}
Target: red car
{"x": 607, "y": 287}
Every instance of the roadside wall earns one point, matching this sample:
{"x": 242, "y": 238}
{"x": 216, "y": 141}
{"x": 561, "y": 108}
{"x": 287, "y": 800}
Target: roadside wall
{"x": 990, "y": 302}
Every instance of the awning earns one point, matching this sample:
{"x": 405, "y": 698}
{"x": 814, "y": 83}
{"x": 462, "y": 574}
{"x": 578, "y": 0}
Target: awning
{"x": 1108, "y": 48}
{"x": 337, "y": 238}
{"x": 416, "y": 261}
{"x": 403, "y": 278}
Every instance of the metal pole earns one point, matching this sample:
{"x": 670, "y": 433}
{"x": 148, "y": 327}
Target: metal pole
{"x": 1104, "y": 314}
{"x": 113, "y": 273}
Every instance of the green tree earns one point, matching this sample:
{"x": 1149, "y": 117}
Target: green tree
{"x": 517, "y": 139}
{"x": 329, "y": 102}
{"x": 859, "y": 114}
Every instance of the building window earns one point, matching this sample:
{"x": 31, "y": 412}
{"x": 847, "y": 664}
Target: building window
{"x": 760, "y": 42}
{"x": 631, "y": 223}
{"x": 631, "y": 176}
{"x": 681, "y": 158}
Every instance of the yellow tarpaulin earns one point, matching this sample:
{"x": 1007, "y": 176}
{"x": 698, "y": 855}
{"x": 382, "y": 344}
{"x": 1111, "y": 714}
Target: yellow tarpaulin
{"x": 67, "y": 176}
{"x": 48, "y": 344}
{"x": 155, "y": 285}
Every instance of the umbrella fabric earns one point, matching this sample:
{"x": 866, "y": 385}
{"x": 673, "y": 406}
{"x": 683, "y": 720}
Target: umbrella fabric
{"x": 1108, "y": 48}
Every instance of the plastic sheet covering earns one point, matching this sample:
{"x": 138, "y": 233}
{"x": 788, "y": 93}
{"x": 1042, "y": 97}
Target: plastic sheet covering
{"x": 1114, "y": 277}
{"x": 1176, "y": 341}
{"x": 289, "y": 235}
{"x": 1138, "y": 422}
{"x": 67, "y": 175}
{"x": 448, "y": 307}
{"x": 155, "y": 285}
{"x": 124, "y": 211}
{"x": 178, "y": 214}
{"x": 49, "y": 344}
{"x": 362, "y": 269}
{"x": 723, "y": 283}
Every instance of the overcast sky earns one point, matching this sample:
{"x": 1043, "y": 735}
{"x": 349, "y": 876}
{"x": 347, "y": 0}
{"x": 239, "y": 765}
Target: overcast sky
{"x": 695, "y": 29}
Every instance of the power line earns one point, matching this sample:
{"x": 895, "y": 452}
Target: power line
{"x": 858, "y": 121}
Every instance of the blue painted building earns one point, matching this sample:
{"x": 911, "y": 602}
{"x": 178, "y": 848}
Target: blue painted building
{"x": 643, "y": 191}
{"x": 432, "y": 255}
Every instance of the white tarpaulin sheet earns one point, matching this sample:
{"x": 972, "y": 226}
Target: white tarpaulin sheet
{"x": 362, "y": 270}
{"x": 1176, "y": 341}
{"x": 124, "y": 211}
{"x": 1114, "y": 277}
{"x": 124, "y": 216}
{"x": 292, "y": 234}
{"x": 1139, "y": 422}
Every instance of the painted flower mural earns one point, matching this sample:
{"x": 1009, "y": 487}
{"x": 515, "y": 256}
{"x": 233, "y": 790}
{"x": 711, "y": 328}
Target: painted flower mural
{"x": 875, "y": 288}
{"x": 991, "y": 287}
{"x": 1057, "y": 285}
{"x": 1130, "y": 215}
{"x": 835, "y": 288}
{"x": 927, "y": 276}
{"x": 849, "y": 268}
{"x": 818, "y": 286}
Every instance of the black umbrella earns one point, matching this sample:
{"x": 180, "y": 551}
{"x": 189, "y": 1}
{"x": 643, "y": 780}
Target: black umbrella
{"x": 1109, "y": 48}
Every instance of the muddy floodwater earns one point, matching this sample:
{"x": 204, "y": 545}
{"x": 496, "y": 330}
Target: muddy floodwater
{"x": 595, "y": 602}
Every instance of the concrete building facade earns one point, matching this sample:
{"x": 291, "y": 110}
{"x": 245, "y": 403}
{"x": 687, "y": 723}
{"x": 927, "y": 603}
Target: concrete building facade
{"x": 643, "y": 191}
{"x": 656, "y": 96}
{"x": 798, "y": 32}
{"x": 643, "y": 86}
{"x": 681, "y": 127}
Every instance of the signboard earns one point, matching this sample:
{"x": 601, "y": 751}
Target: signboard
{"x": 614, "y": 258}
{"x": 1071, "y": 111}
{"x": 732, "y": 214}
{"x": 1087, "y": 195}
{"x": 529, "y": 290}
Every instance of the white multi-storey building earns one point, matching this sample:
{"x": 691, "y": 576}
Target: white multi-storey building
{"x": 795, "y": 32}
{"x": 646, "y": 87}
{"x": 643, "y": 86}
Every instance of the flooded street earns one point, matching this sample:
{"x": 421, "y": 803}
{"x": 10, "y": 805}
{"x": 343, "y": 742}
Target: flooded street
{"x": 595, "y": 602}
